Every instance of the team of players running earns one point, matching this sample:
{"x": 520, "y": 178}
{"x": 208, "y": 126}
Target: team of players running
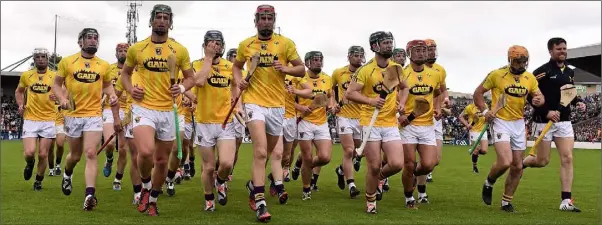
{"x": 134, "y": 98}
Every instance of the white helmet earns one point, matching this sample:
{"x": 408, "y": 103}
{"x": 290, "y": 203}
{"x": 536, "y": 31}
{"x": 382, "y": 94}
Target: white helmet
{"x": 40, "y": 51}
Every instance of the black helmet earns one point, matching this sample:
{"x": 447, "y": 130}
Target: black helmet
{"x": 215, "y": 35}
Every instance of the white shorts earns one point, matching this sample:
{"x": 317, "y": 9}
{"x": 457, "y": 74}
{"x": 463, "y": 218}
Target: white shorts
{"x": 239, "y": 129}
{"x": 35, "y": 129}
{"x": 181, "y": 123}
{"x": 272, "y": 117}
{"x": 74, "y": 126}
{"x": 107, "y": 115}
{"x": 309, "y": 131}
{"x": 209, "y": 133}
{"x": 290, "y": 129}
{"x": 162, "y": 121}
{"x": 562, "y": 129}
{"x": 349, "y": 126}
{"x": 475, "y": 135}
{"x": 382, "y": 134}
{"x": 188, "y": 129}
{"x": 510, "y": 131}
{"x": 422, "y": 135}
{"x": 438, "y": 129}
{"x": 60, "y": 129}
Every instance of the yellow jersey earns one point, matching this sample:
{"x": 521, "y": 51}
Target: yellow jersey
{"x": 439, "y": 70}
{"x": 474, "y": 117}
{"x": 188, "y": 108}
{"x": 321, "y": 84}
{"x": 38, "y": 106}
{"x": 84, "y": 80}
{"x": 115, "y": 74}
{"x": 151, "y": 59}
{"x": 515, "y": 87}
{"x": 119, "y": 87}
{"x": 341, "y": 77}
{"x": 421, "y": 84}
{"x": 265, "y": 87}
{"x": 289, "y": 108}
{"x": 214, "y": 98}
{"x": 371, "y": 78}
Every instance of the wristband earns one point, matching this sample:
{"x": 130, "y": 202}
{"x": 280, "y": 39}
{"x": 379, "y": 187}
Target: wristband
{"x": 182, "y": 88}
{"x": 485, "y": 111}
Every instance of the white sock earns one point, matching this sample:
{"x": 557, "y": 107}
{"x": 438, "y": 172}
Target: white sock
{"x": 152, "y": 199}
{"x": 259, "y": 203}
{"x": 278, "y": 182}
{"x": 116, "y": 180}
{"x": 409, "y": 199}
{"x": 488, "y": 184}
{"x": 147, "y": 186}
{"x": 504, "y": 203}
{"x": 67, "y": 177}
{"x": 352, "y": 184}
{"x": 421, "y": 195}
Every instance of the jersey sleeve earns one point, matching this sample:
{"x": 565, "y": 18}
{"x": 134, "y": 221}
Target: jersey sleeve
{"x": 184, "y": 60}
{"x": 240, "y": 52}
{"x": 62, "y": 71}
{"x": 118, "y": 85}
{"x": 334, "y": 78}
{"x": 291, "y": 51}
{"x": 467, "y": 110}
{"x": 360, "y": 76}
{"x": 443, "y": 76}
{"x": 109, "y": 73}
{"x": 130, "y": 59}
{"x": 489, "y": 82}
{"x": 23, "y": 80}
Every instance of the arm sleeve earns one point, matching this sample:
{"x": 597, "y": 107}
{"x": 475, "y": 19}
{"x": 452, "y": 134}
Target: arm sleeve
{"x": 130, "y": 59}
{"x": 291, "y": 51}
{"x": 184, "y": 60}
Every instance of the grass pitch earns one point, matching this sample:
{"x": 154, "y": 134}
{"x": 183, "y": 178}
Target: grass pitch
{"x": 455, "y": 196}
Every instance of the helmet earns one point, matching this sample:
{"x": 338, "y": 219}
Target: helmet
{"x": 37, "y": 51}
{"x": 412, "y": 44}
{"x": 399, "y": 56}
{"x": 311, "y": 55}
{"x": 265, "y": 9}
{"x": 398, "y": 51}
{"x": 215, "y": 35}
{"x": 160, "y": 8}
{"x": 377, "y": 37}
{"x": 357, "y": 49}
{"x": 519, "y": 55}
{"x": 231, "y": 52}
{"x": 122, "y": 46}
{"x": 431, "y": 46}
{"x": 87, "y": 31}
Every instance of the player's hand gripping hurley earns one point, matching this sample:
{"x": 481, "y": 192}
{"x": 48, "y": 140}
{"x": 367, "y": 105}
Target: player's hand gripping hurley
{"x": 390, "y": 81}
{"x": 568, "y": 92}
{"x": 501, "y": 103}
{"x": 320, "y": 100}
{"x": 254, "y": 62}
{"x": 171, "y": 64}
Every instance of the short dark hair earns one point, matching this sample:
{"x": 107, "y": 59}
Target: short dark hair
{"x": 555, "y": 41}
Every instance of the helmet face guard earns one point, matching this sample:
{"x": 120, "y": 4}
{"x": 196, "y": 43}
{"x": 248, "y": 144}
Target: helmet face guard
{"x": 83, "y": 38}
{"x": 217, "y": 36}
{"x": 431, "y": 50}
{"x": 40, "y": 58}
{"x": 518, "y": 59}
{"x": 231, "y": 53}
{"x": 265, "y": 19}
{"x": 121, "y": 47}
{"x": 160, "y": 8}
{"x": 314, "y": 61}
{"x": 416, "y": 51}
{"x": 399, "y": 56}
{"x": 382, "y": 43}
{"x": 356, "y": 52}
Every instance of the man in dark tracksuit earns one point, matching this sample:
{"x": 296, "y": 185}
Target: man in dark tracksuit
{"x": 551, "y": 76}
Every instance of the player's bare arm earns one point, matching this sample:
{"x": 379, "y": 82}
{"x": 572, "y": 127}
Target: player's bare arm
{"x": 353, "y": 94}
{"x": 190, "y": 96}
{"x": 538, "y": 99}
{"x": 20, "y": 98}
{"x": 479, "y": 98}
{"x": 402, "y": 97}
{"x": 297, "y": 70}
{"x": 61, "y": 94}
{"x": 202, "y": 75}
{"x": 464, "y": 122}
{"x": 237, "y": 78}
{"x": 304, "y": 92}
{"x": 107, "y": 89}
{"x": 126, "y": 80}
{"x": 186, "y": 84}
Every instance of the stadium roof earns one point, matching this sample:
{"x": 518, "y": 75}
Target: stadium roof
{"x": 12, "y": 73}
{"x": 587, "y": 58}
{"x": 584, "y": 77}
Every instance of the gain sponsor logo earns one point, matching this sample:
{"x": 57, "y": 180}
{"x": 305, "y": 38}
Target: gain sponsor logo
{"x": 86, "y": 76}
{"x": 39, "y": 88}
{"x": 378, "y": 88}
{"x": 516, "y": 90}
{"x": 156, "y": 64}
{"x": 218, "y": 81}
{"x": 266, "y": 60}
{"x": 421, "y": 89}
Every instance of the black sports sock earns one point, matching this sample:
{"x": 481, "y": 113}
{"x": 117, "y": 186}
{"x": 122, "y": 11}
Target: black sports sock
{"x": 58, "y": 160}
{"x": 314, "y": 179}
{"x": 137, "y": 188}
{"x": 90, "y": 191}
{"x": 475, "y": 158}
{"x": 30, "y": 162}
{"x": 349, "y": 181}
{"x": 298, "y": 163}
{"x": 209, "y": 197}
{"x": 119, "y": 176}
{"x": 171, "y": 174}
{"x": 421, "y": 188}
{"x": 68, "y": 172}
{"x": 41, "y": 178}
{"x": 491, "y": 181}
{"x": 109, "y": 157}
{"x": 565, "y": 195}
{"x": 408, "y": 194}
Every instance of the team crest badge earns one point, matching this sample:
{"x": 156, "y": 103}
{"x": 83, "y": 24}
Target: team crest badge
{"x": 342, "y": 129}
{"x": 419, "y": 76}
{"x": 499, "y": 136}
{"x": 301, "y": 134}
{"x": 137, "y": 119}
{"x": 67, "y": 129}
{"x": 87, "y": 65}
{"x": 264, "y": 46}
{"x": 158, "y": 51}
{"x": 199, "y": 138}
{"x": 315, "y": 83}
{"x": 131, "y": 131}
{"x": 250, "y": 114}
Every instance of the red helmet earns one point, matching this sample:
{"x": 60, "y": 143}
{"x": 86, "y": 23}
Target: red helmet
{"x": 122, "y": 46}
